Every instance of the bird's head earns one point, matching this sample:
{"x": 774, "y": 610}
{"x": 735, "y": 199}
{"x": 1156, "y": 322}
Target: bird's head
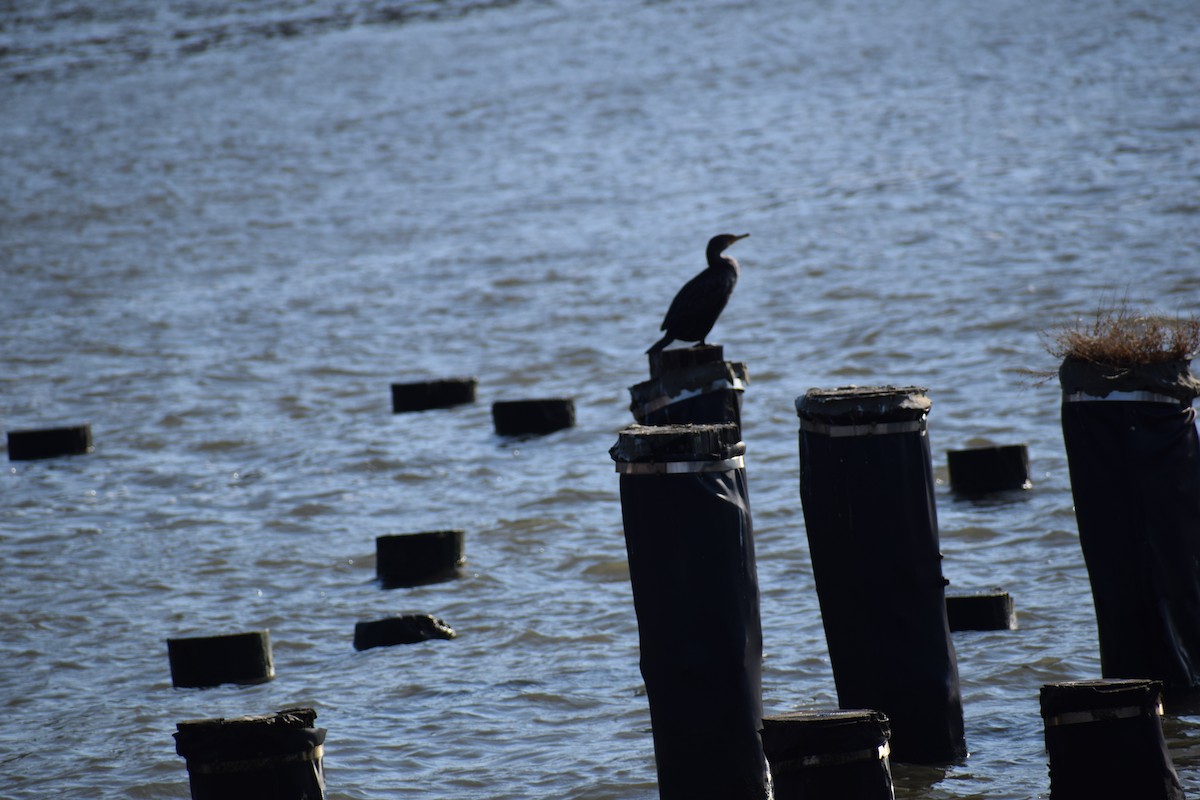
{"x": 721, "y": 241}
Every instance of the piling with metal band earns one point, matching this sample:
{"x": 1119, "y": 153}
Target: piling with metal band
{"x": 205, "y": 661}
{"x": 1134, "y": 459}
{"x": 829, "y": 755}
{"x": 413, "y": 559}
{"x": 268, "y": 757}
{"x": 1105, "y": 739}
{"x": 866, "y": 485}
{"x": 690, "y": 385}
{"x": 689, "y": 538}
{"x": 424, "y": 395}
{"x": 981, "y": 470}
{"x": 28, "y": 445}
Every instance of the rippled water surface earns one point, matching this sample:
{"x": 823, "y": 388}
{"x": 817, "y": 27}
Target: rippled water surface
{"x": 226, "y": 228}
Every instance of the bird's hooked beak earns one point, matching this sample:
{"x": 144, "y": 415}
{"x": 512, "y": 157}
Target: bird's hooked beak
{"x": 740, "y": 237}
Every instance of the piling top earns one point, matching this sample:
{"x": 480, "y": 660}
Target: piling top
{"x": 1170, "y": 378}
{"x": 851, "y": 405}
{"x": 659, "y": 443}
{"x": 825, "y": 731}
{"x": 1112, "y": 694}
{"x": 664, "y": 361}
{"x": 284, "y": 732}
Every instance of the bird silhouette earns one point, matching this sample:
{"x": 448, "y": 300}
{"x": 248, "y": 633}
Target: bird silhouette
{"x": 696, "y": 307}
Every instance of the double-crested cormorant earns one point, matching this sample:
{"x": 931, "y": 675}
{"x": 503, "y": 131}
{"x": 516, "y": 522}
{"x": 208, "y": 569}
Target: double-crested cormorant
{"x": 695, "y": 309}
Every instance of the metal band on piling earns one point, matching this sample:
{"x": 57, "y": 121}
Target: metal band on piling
{"x": 836, "y": 759}
{"x": 868, "y": 429}
{"x": 1101, "y": 714}
{"x": 679, "y": 467}
{"x": 1127, "y": 397}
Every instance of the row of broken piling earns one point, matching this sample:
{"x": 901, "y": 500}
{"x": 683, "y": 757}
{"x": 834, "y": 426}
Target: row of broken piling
{"x": 867, "y": 495}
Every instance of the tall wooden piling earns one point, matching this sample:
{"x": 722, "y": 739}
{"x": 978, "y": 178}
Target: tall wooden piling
{"x": 866, "y": 485}
{"x": 1134, "y": 459}
{"x": 688, "y": 533}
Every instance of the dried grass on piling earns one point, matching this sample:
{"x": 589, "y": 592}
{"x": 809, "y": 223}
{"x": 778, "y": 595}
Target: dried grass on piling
{"x": 1120, "y": 337}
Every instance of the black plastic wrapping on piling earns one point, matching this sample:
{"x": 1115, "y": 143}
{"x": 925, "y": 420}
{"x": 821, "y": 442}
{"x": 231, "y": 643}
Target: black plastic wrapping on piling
{"x": 269, "y": 757}
{"x": 700, "y": 393}
{"x": 828, "y": 755}
{"x": 1135, "y": 480}
{"x": 1105, "y": 739}
{"x": 866, "y": 485}
{"x": 695, "y": 589}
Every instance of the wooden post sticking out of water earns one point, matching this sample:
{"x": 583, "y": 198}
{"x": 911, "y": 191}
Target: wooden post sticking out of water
{"x": 204, "y": 661}
{"x": 866, "y": 485}
{"x": 408, "y": 629}
{"x": 688, "y": 533}
{"x": 1134, "y": 459}
{"x": 981, "y": 470}
{"x": 268, "y": 757}
{"x": 988, "y": 610}
{"x": 690, "y": 385}
{"x": 49, "y": 442}
{"x": 829, "y": 755}
{"x": 1105, "y": 739}
{"x": 544, "y": 415}
{"x": 432, "y": 394}
{"x": 412, "y": 559}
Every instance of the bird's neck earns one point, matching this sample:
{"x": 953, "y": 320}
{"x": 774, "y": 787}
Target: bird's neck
{"x": 721, "y": 262}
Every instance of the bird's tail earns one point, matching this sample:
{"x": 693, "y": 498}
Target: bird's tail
{"x": 661, "y": 343}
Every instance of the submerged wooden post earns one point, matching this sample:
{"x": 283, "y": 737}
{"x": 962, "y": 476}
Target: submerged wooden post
{"x": 986, "y": 610}
{"x": 686, "y": 515}
{"x": 268, "y": 757}
{"x": 412, "y": 559}
{"x": 406, "y": 629}
{"x": 538, "y": 416}
{"x": 204, "y": 661}
{"x": 424, "y": 395}
{"x": 829, "y": 755}
{"x": 866, "y": 485}
{"x": 1105, "y": 739}
{"x": 981, "y": 470}
{"x": 28, "y": 445}
{"x": 690, "y": 385}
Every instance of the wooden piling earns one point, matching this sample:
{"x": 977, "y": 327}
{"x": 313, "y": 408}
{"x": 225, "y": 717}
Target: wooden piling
{"x": 829, "y": 755}
{"x": 1105, "y": 739}
{"x": 205, "y": 661}
{"x": 406, "y": 629}
{"x": 981, "y": 470}
{"x": 28, "y": 445}
{"x": 423, "y": 395}
{"x": 412, "y": 559}
{"x": 267, "y": 757}
{"x": 537, "y": 416}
